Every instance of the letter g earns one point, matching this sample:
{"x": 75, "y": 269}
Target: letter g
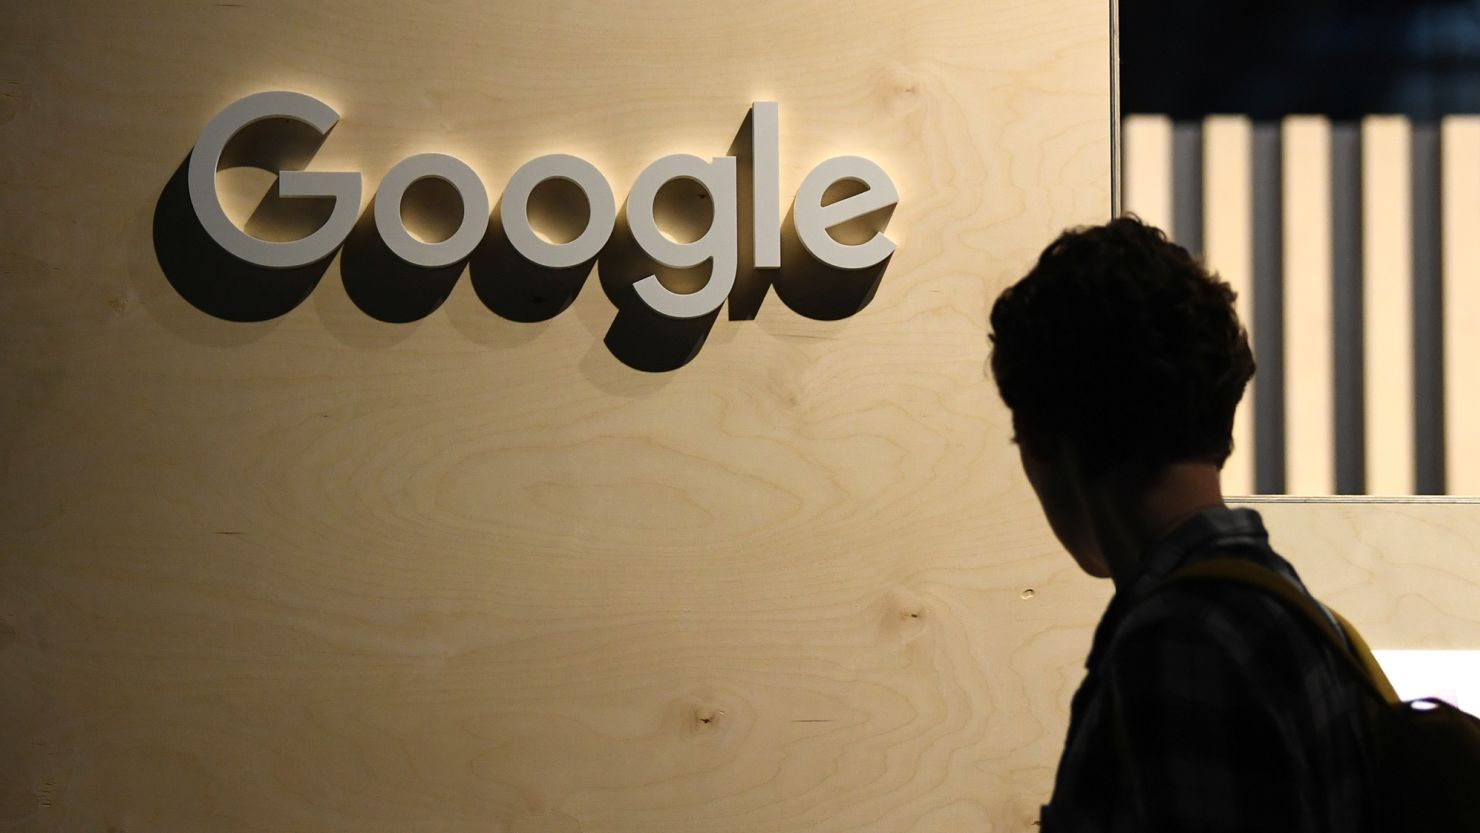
{"x": 343, "y": 187}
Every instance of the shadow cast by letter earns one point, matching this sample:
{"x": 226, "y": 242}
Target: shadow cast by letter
{"x": 513, "y": 287}
{"x": 639, "y": 336}
{"x": 822, "y": 292}
{"x": 212, "y": 280}
{"x": 384, "y": 286}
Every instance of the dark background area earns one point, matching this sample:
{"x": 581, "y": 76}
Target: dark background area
{"x": 1269, "y": 58}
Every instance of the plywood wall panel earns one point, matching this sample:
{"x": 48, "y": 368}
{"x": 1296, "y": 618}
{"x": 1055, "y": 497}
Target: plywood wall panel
{"x": 1406, "y": 572}
{"x": 324, "y": 572}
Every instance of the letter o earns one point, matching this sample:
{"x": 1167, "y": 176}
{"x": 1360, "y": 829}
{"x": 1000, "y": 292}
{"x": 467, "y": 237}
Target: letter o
{"x": 514, "y": 211}
{"x": 454, "y": 172}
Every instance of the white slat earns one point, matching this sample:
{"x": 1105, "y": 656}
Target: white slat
{"x": 1147, "y": 149}
{"x": 1310, "y": 423}
{"x": 1387, "y": 304}
{"x": 1460, "y": 141}
{"x": 1228, "y": 243}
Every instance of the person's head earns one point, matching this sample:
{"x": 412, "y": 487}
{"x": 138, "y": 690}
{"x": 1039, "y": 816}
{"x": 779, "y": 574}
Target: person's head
{"x": 1119, "y": 355}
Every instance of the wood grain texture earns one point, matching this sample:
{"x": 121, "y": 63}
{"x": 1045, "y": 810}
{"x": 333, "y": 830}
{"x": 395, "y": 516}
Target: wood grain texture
{"x": 327, "y": 573}
{"x": 1460, "y": 146}
{"x": 1387, "y": 305}
{"x": 1228, "y": 219}
{"x": 1310, "y": 369}
{"x": 1406, "y": 572}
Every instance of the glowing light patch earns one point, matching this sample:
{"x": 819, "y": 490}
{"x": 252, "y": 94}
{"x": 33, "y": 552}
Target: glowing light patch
{"x": 1451, "y": 676}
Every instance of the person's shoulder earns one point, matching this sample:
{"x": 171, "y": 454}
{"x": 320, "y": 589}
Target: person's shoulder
{"x": 1230, "y": 613}
{"x": 1209, "y": 603}
{"x": 1244, "y": 628}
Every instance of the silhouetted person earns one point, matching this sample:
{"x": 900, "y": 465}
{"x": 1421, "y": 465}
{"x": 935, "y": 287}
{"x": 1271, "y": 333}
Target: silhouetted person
{"x": 1207, "y": 706}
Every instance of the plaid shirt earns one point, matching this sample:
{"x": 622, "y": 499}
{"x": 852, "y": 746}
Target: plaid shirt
{"x": 1210, "y": 707}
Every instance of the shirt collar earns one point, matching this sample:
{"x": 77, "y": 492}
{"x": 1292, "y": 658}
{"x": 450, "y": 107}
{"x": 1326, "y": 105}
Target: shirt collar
{"x": 1216, "y": 527}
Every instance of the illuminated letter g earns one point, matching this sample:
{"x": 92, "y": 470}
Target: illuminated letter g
{"x": 343, "y": 187}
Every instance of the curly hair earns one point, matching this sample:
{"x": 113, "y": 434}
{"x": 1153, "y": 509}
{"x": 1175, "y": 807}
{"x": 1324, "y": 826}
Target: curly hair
{"x": 1120, "y": 342}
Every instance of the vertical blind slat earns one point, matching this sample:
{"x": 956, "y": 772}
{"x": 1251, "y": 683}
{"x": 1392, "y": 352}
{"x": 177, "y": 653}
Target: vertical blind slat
{"x": 1267, "y": 251}
{"x": 1346, "y": 278}
{"x": 1428, "y": 370}
{"x": 1187, "y": 186}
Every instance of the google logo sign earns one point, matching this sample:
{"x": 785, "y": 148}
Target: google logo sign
{"x": 812, "y": 215}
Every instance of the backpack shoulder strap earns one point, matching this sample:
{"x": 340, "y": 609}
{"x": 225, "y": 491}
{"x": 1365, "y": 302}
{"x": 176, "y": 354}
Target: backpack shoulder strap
{"x": 1352, "y": 647}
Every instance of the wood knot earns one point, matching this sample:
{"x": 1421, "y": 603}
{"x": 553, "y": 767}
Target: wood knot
{"x": 903, "y": 616}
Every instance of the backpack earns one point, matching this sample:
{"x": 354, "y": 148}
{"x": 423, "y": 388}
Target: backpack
{"x": 1427, "y": 752}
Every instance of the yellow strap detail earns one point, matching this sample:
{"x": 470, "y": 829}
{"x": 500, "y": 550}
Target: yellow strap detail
{"x": 1252, "y": 575}
{"x": 1369, "y": 662}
